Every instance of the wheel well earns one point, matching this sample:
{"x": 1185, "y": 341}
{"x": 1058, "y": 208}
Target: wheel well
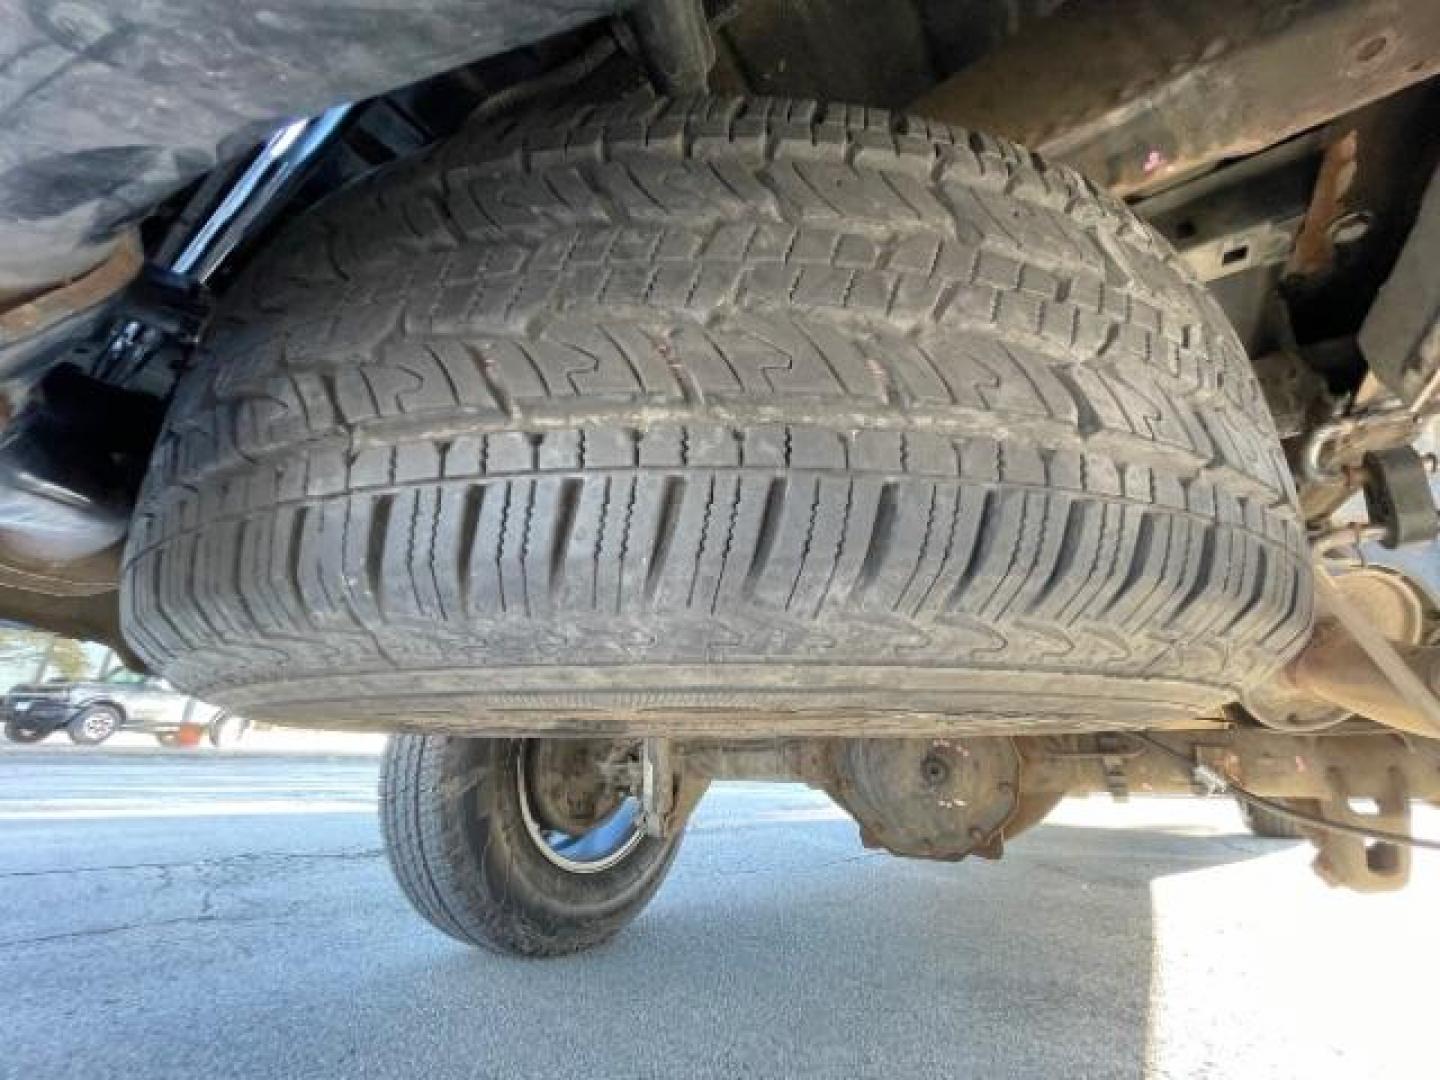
{"x": 109, "y": 703}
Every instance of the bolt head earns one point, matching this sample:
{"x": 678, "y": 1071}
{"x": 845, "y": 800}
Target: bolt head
{"x": 935, "y": 769}
{"x": 1348, "y": 228}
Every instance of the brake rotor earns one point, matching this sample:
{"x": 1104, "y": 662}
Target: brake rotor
{"x": 569, "y": 785}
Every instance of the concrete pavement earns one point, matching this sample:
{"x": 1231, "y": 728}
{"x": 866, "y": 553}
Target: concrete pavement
{"x": 218, "y": 916}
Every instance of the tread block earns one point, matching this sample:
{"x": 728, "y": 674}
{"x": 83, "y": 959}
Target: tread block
{"x": 709, "y": 382}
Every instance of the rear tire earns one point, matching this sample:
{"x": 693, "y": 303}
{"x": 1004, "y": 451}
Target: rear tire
{"x": 458, "y": 842}
{"x": 684, "y": 410}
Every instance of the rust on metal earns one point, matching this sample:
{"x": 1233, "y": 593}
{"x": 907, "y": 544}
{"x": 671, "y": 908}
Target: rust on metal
{"x": 1352, "y": 862}
{"x": 1314, "y": 252}
{"x": 1350, "y": 662}
{"x": 1268, "y": 763}
{"x": 948, "y": 798}
{"x": 1141, "y": 93}
{"x": 37, "y": 313}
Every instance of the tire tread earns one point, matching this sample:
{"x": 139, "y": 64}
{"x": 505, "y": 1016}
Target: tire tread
{"x": 685, "y": 381}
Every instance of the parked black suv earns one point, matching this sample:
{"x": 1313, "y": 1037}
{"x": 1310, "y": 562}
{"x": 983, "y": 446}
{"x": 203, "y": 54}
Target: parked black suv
{"x": 90, "y": 711}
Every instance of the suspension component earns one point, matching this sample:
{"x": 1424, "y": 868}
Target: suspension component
{"x": 1398, "y": 496}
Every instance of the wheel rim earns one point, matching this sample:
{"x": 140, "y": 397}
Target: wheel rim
{"x": 97, "y": 725}
{"x": 598, "y": 848}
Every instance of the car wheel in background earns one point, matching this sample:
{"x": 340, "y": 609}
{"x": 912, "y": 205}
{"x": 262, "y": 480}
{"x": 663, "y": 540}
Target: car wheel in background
{"x": 92, "y": 726}
{"x": 517, "y": 845}
{"x": 227, "y": 731}
{"x": 19, "y": 732}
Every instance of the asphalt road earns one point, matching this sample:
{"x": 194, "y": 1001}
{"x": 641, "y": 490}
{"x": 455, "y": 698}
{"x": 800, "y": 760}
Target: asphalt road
{"x": 232, "y": 916}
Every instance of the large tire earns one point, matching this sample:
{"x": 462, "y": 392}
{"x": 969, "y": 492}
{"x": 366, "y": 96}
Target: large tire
{"x": 722, "y": 406}
{"x": 455, "y": 833}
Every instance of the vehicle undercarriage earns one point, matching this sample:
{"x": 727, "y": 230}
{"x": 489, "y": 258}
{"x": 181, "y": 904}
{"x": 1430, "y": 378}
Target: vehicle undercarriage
{"x": 567, "y": 391}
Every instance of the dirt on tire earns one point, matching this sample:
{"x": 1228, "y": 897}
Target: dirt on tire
{"x": 711, "y": 411}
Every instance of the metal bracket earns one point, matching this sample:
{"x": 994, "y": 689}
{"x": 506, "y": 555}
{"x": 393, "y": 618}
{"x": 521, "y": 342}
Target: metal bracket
{"x": 1113, "y": 762}
{"x": 1208, "y": 773}
{"x": 1359, "y": 864}
{"x": 1401, "y": 333}
{"x": 669, "y": 792}
{"x": 171, "y": 303}
{"x": 657, "y": 785}
{"x": 1330, "y": 451}
{"x": 1398, "y": 496}
{"x": 1333, "y": 665}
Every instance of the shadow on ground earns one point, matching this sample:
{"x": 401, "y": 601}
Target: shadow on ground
{"x": 278, "y": 945}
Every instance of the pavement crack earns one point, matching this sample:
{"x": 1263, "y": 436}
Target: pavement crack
{"x": 201, "y": 919}
{"x": 105, "y": 931}
{"x": 201, "y": 864}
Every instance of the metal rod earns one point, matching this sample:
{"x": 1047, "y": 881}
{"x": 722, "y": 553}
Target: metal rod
{"x": 252, "y": 196}
{"x": 255, "y": 193}
{"x": 1363, "y": 671}
{"x": 1354, "y": 535}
